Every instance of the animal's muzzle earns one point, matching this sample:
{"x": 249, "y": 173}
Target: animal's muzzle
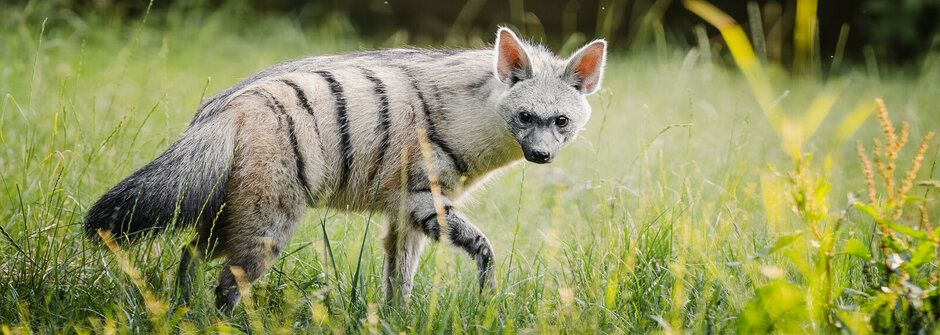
{"x": 539, "y": 157}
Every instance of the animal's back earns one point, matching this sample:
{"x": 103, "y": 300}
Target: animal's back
{"x": 349, "y": 122}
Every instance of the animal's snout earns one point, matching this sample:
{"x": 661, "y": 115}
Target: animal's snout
{"x": 539, "y": 147}
{"x": 540, "y": 157}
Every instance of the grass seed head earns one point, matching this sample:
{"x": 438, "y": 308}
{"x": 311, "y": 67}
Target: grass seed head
{"x": 866, "y": 169}
{"x": 886, "y": 124}
{"x": 911, "y": 174}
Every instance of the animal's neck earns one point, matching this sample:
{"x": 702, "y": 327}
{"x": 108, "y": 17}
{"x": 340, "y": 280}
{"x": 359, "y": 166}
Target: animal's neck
{"x": 473, "y": 124}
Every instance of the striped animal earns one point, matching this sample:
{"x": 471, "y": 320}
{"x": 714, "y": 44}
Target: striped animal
{"x": 404, "y": 132}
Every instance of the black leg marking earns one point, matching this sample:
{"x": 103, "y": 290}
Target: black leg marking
{"x": 419, "y": 181}
{"x": 421, "y": 190}
{"x": 430, "y": 227}
{"x": 477, "y": 248}
{"x": 429, "y": 224}
{"x": 384, "y": 125}
{"x": 186, "y": 273}
{"x": 433, "y": 135}
{"x": 342, "y": 119}
{"x": 249, "y": 269}
{"x": 226, "y": 293}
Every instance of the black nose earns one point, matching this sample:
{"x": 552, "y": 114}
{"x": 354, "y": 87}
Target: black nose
{"x": 540, "y": 157}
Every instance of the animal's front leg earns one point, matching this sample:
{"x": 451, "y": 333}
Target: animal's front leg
{"x": 426, "y": 216}
{"x": 403, "y": 245}
{"x": 468, "y": 237}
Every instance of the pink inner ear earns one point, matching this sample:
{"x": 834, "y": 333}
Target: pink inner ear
{"x": 589, "y": 65}
{"x": 510, "y": 54}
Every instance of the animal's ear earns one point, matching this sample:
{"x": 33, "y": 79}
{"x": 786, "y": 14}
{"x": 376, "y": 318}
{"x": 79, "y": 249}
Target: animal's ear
{"x": 586, "y": 67}
{"x": 512, "y": 62}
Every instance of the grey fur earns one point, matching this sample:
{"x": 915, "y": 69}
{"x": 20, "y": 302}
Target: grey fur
{"x": 329, "y": 130}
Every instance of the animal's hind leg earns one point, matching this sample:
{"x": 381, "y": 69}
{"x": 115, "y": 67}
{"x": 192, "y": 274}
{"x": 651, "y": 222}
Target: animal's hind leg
{"x": 390, "y": 242}
{"x": 192, "y": 253}
{"x": 403, "y": 247}
{"x": 255, "y": 236}
{"x": 257, "y": 228}
{"x": 263, "y": 205}
{"x": 199, "y": 249}
{"x": 241, "y": 270}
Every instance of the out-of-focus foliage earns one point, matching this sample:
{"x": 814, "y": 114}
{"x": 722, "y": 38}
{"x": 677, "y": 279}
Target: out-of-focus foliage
{"x": 903, "y": 27}
{"x": 901, "y": 296}
{"x": 896, "y": 31}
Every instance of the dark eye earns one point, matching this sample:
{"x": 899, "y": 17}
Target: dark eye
{"x": 525, "y": 117}
{"x": 561, "y": 121}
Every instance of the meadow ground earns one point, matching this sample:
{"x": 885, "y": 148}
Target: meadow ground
{"x": 662, "y": 216}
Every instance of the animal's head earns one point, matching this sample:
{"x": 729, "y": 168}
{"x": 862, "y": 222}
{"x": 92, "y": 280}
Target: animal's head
{"x": 545, "y": 106}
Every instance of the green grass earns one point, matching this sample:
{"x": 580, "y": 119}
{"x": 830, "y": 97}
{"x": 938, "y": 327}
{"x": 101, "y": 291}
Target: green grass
{"x": 654, "y": 220}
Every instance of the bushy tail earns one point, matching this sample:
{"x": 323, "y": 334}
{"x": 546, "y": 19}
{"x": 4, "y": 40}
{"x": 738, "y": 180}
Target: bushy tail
{"x": 184, "y": 186}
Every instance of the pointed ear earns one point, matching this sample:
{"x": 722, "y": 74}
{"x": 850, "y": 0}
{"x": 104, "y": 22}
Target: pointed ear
{"x": 586, "y": 67}
{"x": 512, "y": 62}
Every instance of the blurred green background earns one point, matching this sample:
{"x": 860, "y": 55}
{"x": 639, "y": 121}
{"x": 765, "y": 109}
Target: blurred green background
{"x": 897, "y": 32}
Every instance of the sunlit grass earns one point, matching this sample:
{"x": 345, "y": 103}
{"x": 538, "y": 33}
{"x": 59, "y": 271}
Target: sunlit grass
{"x": 671, "y": 212}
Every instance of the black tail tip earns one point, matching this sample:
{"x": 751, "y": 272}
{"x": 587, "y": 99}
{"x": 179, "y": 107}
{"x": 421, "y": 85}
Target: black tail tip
{"x": 94, "y": 230}
{"x": 101, "y": 224}
{"x": 95, "y": 220}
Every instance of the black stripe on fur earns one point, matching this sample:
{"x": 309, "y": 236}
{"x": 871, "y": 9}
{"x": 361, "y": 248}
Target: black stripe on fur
{"x": 279, "y": 109}
{"x": 384, "y": 125}
{"x": 304, "y": 103}
{"x": 433, "y": 135}
{"x": 342, "y": 119}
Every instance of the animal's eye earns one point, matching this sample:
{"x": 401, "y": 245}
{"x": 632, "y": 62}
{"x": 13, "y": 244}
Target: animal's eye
{"x": 561, "y": 121}
{"x": 525, "y": 117}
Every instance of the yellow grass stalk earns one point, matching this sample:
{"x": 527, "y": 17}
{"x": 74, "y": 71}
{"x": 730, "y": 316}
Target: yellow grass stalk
{"x": 743, "y": 55}
{"x": 436, "y": 195}
{"x": 792, "y": 132}
{"x": 803, "y": 33}
{"x": 818, "y": 109}
{"x": 433, "y": 178}
{"x": 244, "y": 288}
{"x": 851, "y": 122}
{"x": 156, "y": 309}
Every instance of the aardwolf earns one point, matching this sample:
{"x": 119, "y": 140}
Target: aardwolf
{"x": 400, "y": 131}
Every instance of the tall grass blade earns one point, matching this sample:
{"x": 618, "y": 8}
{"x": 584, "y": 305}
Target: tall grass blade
{"x": 365, "y": 234}
{"x": 744, "y": 57}
{"x": 840, "y": 49}
{"x": 804, "y": 31}
{"x": 757, "y": 30}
